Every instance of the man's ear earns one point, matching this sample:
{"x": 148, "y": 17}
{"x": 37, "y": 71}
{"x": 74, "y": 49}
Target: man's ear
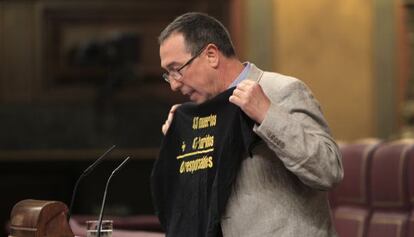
{"x": 213, "y": 55}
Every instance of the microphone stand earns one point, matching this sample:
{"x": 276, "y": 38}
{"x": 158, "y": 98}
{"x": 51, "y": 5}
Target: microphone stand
{"x": 105, "y": 193}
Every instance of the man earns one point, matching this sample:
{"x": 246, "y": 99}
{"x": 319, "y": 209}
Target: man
{"x": 281, "y": 189}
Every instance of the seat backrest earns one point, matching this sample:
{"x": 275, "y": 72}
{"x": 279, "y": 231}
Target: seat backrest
{"x": 389, "y": 193}
{"x": 351, "y": 212}
{"x": 411, "y": 225}
{"x": 351, "y": 221}
{"x": 410, "y": 183}
{"x": 356, "y": 159}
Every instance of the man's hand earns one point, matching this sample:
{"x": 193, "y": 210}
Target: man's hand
{"x": 249, "y": 96}
{"x": 167, "y": 122}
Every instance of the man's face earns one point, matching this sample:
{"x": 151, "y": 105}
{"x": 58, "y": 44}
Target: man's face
{"x": 198, "y": 80}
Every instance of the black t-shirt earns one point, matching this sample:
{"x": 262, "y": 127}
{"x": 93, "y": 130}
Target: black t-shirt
{"x": 197, "y": 165}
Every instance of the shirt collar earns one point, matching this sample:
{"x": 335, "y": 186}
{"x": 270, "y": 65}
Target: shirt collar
{"x": 242, "y": 76}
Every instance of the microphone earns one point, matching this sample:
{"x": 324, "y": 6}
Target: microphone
{"x": 104, "y": 197}
{"x": 86, "y": 172}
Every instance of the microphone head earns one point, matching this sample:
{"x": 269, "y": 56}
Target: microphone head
{"x": 99, "y": 160}
{"x": 121, "y": 165}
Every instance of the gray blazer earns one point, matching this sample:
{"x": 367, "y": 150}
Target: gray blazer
{"x": 281, "y": 189}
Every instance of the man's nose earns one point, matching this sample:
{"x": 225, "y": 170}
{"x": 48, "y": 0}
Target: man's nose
{"x": 175, "y": 85}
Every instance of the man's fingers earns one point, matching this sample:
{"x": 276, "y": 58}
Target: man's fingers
{"x": 245, "y": 85}
{"x": 174, "y": 108}
{"x": 238, "y": 93}
{"x": 167, "y": 123}
{"x": 164, "y": 128}
{"x": 250, "y": 97}
{"x": 170, "y": 117}
{"x": 235, "y": 100}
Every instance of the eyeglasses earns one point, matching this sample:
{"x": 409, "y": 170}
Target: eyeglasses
{"x": 175, "y": 73}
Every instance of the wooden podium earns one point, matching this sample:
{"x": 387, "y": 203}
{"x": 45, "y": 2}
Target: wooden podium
{"x": 37, "y": 218}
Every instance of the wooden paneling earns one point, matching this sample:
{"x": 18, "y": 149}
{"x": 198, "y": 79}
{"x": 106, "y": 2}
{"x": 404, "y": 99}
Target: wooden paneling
{"x": 69, "y": 26}
{"x": 49, "y": 101}
{"x": 237, "y": 27}
{"x": 38, "y": 37}
{"x": 17, "y": 53}
{"x": 2, "y": 85}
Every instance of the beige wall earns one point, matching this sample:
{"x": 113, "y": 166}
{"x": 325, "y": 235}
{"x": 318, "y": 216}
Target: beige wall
{"x": 328, "y": 45}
